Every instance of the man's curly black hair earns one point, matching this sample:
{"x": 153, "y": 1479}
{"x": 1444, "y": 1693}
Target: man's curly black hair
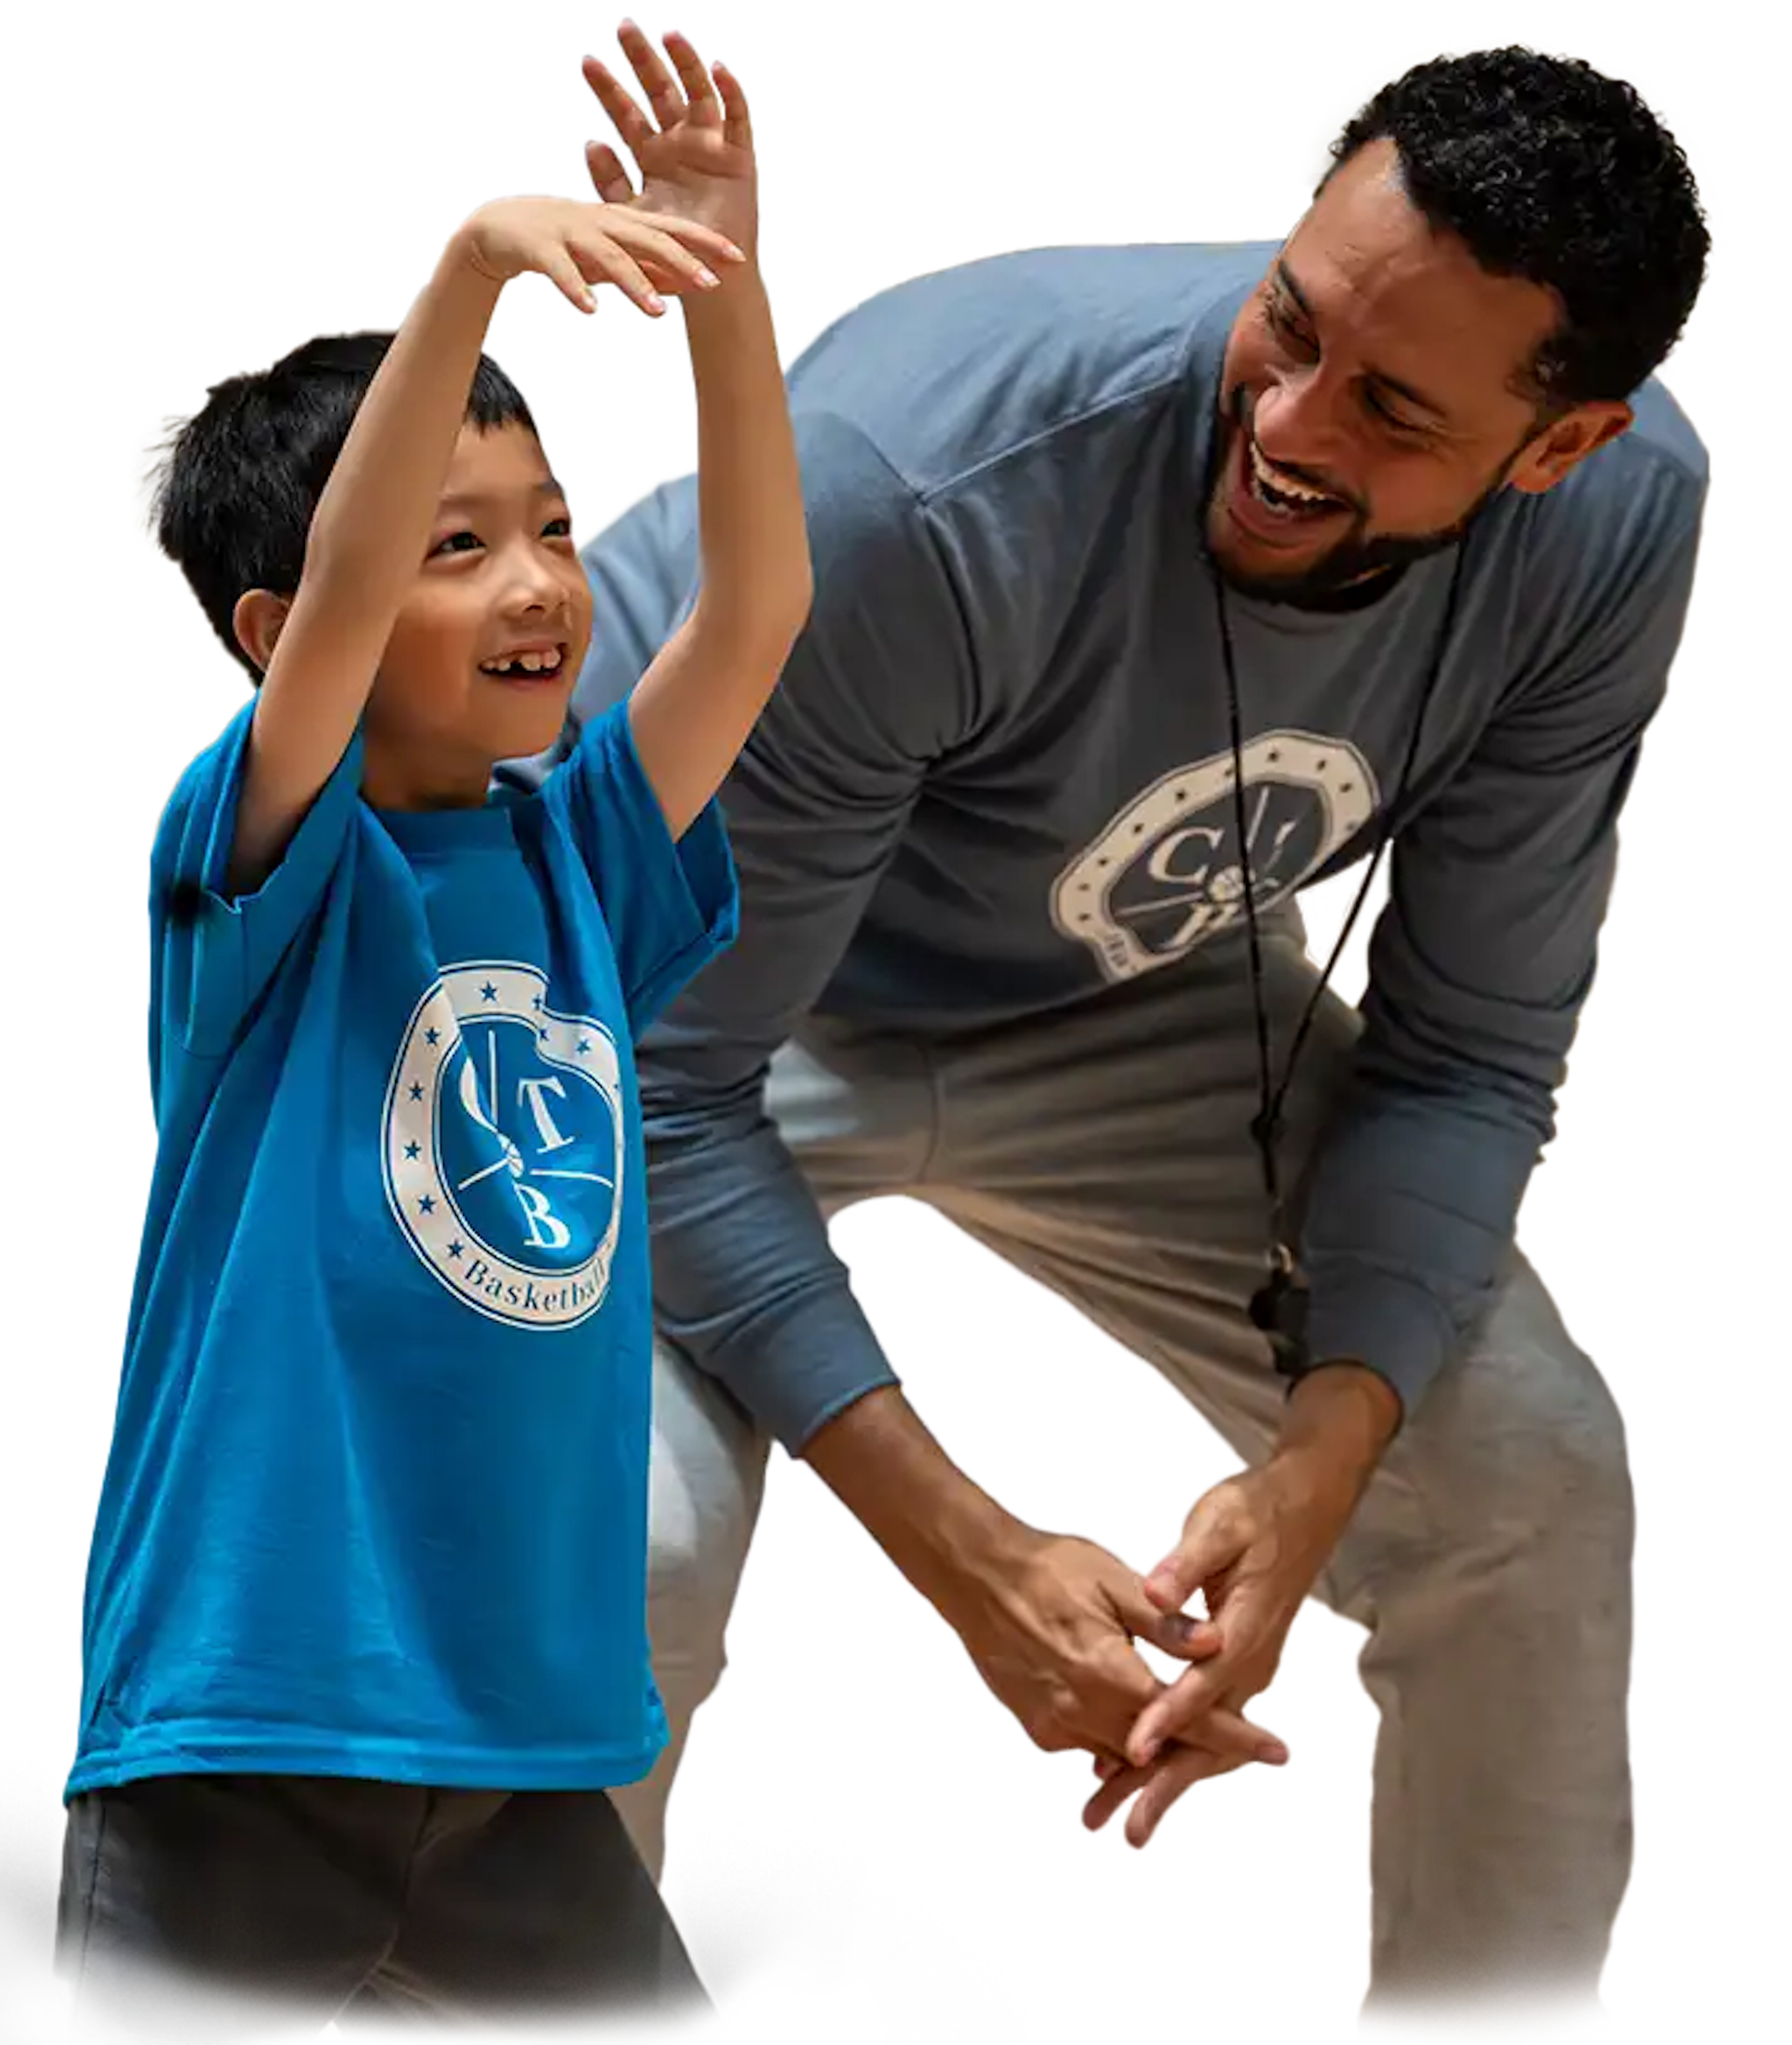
{"x": 1543, "y": 164}
{"x": 1551, "y": 171}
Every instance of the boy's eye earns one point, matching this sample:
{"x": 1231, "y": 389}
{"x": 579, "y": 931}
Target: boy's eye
{"x": 455, "y": 543}
{"x": 557, "y": 529}
{"x": 453, "y": 537}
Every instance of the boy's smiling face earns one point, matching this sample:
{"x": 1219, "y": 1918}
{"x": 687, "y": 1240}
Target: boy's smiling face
{"x": 484, "y": 655}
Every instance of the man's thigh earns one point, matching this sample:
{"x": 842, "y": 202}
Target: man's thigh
{"x": 1106, "y": 1152}
{"x": 1136, "y": 1105}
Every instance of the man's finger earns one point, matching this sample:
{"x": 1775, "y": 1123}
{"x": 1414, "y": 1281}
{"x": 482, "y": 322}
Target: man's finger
{"x": 629, "y": 123}
{"x": 1223, "y": 1731}
{"x": 1210, "y": 1543}
{"x": 663, "y": 94}
{"x": 1178, "y": 1633}
{"x": 1168, "y": 1786}
{"x": 1178, "y": 1771}
{"x": 1126, "y": 1683}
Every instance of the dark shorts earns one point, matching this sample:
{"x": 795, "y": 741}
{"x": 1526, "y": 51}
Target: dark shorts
{"x": 188, "y": 1896}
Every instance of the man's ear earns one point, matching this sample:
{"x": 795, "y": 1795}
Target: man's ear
{"x": 1569, "y": 442}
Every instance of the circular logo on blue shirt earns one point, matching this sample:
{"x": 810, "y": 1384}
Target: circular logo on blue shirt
{"x": 504, "y": 1145}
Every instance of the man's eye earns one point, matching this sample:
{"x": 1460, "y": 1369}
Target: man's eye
{"x": 455, "y": 543}
{"x": 1283, "y": 324}
{"x": 1392, "y": 422}
{"x": 1281, "y": 320}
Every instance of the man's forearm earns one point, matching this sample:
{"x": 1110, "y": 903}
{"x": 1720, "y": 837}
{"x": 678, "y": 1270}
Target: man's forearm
{"x": 879, "y": 1461}
{"x": 1336, "y": 1426}
{"x": 934, "y": 1523}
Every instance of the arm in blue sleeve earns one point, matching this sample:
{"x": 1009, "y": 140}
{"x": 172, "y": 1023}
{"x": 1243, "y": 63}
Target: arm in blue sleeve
{"x": 213, "y": 953}
{"x": 745, "y": 1281}
{"x": 1479, "y": 969}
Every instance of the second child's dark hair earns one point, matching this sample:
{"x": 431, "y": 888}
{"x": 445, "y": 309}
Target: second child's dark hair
{"x": 239, "y": 482}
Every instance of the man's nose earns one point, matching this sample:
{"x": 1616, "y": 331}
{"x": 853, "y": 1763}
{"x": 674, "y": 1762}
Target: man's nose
{"x": 1298, "y": 423}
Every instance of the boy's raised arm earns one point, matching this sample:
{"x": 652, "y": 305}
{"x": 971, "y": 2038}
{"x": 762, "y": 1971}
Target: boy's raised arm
{"x": 694, "y": 709}
{"x": 370, "y": 533}
{"x": 695, "y": 706}
{"x": 367, "y": 537}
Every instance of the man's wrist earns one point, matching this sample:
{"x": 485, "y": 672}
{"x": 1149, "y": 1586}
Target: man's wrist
{"x": 939, "y": 1528}
{"x": 1337, "y": 1424}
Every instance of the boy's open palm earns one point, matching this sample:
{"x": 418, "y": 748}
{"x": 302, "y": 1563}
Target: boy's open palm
{"x": 697, "y": 164}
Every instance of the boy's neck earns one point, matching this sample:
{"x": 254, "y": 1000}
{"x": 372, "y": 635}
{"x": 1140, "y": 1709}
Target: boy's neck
{"x": 414, "y": 784}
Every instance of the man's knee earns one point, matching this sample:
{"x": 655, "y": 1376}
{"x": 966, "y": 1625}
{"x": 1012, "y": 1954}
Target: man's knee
{"x": 1522, "y": 1434}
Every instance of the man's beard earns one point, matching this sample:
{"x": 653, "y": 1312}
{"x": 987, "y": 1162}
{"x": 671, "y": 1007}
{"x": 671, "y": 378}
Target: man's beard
{"x": 1351, "y": 561}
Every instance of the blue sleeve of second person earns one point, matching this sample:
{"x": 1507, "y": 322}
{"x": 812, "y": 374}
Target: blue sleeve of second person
{"x": 669, "y": 905}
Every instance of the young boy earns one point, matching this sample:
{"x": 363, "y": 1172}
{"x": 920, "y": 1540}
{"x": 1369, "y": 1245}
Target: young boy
{"x": 365, "y": 1634}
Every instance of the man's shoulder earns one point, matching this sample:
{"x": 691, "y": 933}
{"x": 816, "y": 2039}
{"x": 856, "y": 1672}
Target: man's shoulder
{"x": 1630, "y": 510}
{"x": 1107, "y": 304}
{"x": 1662, "y": 433}
{"x": 951, "y": 372}
{"x": 1652, "y": 478}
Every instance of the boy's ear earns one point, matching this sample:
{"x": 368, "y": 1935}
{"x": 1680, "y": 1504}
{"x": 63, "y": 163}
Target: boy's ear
{"x": 257, "y": 622}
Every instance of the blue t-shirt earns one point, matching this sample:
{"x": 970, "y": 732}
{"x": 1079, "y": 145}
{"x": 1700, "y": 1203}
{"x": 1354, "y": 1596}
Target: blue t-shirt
{"x": 377, "y": 1504}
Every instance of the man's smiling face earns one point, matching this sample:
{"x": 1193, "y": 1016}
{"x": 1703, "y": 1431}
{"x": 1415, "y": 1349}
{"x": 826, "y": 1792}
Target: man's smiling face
{"x": 1374, "y": 395}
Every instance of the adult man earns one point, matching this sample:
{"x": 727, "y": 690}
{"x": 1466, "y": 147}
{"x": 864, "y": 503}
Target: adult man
{"x": 1151, "y": 584}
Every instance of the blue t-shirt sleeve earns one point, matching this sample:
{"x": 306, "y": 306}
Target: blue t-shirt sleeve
{"x": 213, "y": 954}
{"x": 669, "y": 906}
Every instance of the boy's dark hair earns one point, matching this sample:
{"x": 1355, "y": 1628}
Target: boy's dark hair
{"x": 239, "y": 482}
{"x": 1552, "y": 172}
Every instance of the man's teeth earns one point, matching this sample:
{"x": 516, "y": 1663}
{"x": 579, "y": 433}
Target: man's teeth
{"x": 529, "y": 663}
{"x": 1273, "y": 480}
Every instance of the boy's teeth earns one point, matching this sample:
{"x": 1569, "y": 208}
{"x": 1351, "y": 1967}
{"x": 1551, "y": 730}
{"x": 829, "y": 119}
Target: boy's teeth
{"x": 531, "y": 663}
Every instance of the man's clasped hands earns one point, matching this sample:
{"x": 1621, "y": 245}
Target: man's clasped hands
{"x": 1050, "y": 1626}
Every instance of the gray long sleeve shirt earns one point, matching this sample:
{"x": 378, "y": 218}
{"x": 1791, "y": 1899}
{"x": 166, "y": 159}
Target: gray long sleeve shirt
{"x": 991, "y": 784}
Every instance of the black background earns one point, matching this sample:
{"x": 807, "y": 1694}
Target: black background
{"x": 240, "y": 185}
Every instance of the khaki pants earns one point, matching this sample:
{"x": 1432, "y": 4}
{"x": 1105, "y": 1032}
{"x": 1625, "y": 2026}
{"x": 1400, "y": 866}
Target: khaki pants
{"x": 1103, "y": 1150}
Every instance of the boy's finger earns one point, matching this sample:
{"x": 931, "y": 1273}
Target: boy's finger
{"x": 560, "y": 268}
{"x": 688, "y": 62}
{"x": 625, "y": 111}
{"x": 737, "y": 115}
{"x": 684, "y": 262}
{"x": 651, "y": 72}
{"x": 623, "y": 273}
{"x": 667, "y": 236}
{"x": 606, "y": 170}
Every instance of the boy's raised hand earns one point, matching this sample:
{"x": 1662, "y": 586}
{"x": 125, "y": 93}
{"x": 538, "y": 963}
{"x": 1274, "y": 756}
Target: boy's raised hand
{"x": 578, "y": 244}
{"x": 697, "y": 164}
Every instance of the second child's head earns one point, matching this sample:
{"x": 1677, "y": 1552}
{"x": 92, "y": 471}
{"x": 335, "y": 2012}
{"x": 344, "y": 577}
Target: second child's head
{"x": 484, "y": 653}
